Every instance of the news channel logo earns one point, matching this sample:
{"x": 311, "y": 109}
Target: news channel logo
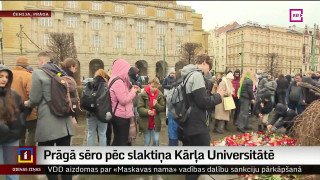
{"x": 296, "y": 15}
{"x": 25, "y": 155}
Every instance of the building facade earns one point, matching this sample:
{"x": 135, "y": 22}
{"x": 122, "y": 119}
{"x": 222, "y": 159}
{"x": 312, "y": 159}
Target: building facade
{"x": 217, "y": 46}
{"x": 308, "y": 41}
{"x": 261, "y": 44}
{"x": 142, "y": 32}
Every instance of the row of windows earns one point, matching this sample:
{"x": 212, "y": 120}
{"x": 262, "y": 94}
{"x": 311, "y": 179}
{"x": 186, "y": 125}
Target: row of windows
{"x": 119, "y": 8}
{"x": 119, "y": 25}
{"x": 265, "y": 39}
{"x": 120, "y": 42}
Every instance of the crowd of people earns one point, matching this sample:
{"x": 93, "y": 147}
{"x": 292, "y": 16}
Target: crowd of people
{"x": 27, "y": 116}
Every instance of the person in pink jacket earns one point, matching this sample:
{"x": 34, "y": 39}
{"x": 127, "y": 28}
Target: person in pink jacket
{"x": 121, "y": 93}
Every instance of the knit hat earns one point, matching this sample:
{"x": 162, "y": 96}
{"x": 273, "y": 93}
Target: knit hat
{"x": 259, "y": 71}
{"x": 23, "y": 61}
{"x": 230, "y": 76}
{"x": 171, "y": 71}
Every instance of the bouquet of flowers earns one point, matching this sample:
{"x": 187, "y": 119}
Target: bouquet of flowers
{"x": 256, "y": 139}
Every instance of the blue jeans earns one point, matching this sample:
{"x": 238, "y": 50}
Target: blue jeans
{"x": 173, "y": 142}
{"x": 295, "y": 106}
{"x": 155, "y": 138}
{"x": 9, "y": 155}
{"x": 93, "y": 124}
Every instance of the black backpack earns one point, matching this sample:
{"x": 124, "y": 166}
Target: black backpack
{"x": 98, "y": 100}
{"x": 177, "y": 103}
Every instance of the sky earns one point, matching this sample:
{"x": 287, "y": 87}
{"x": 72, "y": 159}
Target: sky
{"x": 219, "y": 13}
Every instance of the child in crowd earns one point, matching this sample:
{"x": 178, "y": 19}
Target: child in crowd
{"x": 151, "y": 109}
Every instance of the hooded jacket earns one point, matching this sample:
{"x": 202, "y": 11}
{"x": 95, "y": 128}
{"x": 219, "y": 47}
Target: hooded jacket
{"x": 133, "y": 71}
{"x": 199, "y": 100}
{"x": 282, "y": 111}
{"x": 14, "y": 130}
{"x": 120, "y": 91}
{"x": 168, "y": 82}
{"x": 144, "y": 106}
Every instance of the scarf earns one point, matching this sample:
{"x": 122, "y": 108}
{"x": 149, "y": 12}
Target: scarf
{"x": 240, "y": 89}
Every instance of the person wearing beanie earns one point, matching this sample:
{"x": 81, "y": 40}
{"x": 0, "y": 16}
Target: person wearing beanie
{"x": 222, "y": 116}
{"x": 168, "y": 82}
{"x": 22, "y": 85}
{"x": 236, "y": 85}
{"x": 12, "y": 120}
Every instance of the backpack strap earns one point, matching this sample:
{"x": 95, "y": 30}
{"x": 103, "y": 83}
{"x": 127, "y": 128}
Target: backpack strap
{"x": 111, "y": 83}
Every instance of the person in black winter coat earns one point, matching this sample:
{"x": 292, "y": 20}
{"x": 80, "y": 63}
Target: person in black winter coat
{"x": 168, "y": 82}
{"x": 261, "y": 110}
{"x": 12, "y": 119}
{"x": 286, "y": 121}
{"x": 133, "y": 75}
{"x": 282, "y": 87}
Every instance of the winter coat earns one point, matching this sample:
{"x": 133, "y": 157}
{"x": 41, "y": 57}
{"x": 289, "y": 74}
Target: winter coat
{"x": 220, "y": 113}
{"x": 199, "y": 101}
{"x": 49, "y": 127}
{"x": 247, "y": 89}
{"x": 120, "y": 91}
{"x": 134, "y": 81}
{"x": 266, "y": 87}
{"x": 282, "y": 85}
{"x": 22, "y": 84}
{"x": 167, "y": 84}
{"x": 294, "y": 94}
{"x": 97, "y": 81}
{"x": 236, "y": 85}
{"x": 14, "y": 130}
{"x": 144, "y": 106}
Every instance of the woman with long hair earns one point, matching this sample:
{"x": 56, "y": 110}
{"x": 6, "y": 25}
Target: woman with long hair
{"x": 245, "y": 94}
{"x": 12, "y": 120}
{"x": 94, "y": 125}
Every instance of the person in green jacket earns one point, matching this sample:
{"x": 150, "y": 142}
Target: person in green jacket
{"x": 151, "y": 109}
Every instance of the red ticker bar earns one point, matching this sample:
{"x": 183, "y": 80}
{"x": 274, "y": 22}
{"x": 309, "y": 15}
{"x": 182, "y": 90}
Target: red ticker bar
{"x": 21, "y": 169}
{"x": 25, "y": 13}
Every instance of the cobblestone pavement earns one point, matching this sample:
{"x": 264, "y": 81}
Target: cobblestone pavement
{"x": 80, "y": 140}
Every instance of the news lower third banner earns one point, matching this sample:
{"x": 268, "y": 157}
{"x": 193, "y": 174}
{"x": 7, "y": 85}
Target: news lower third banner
{"x": 165, "y": 160}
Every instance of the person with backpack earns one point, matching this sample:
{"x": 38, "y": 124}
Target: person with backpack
{"x": 70, "y": 66}
{"x": 12, "y": 120}
{"x": 22, "y": 84}
{"x": 294, "y": 97}
{"x": 94, "y": 125}
{"x": 121, "y": 99}
{"x": 151, "y": 107}
{"x": 51, "y": 129}
{"x": 196, "y": 127}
